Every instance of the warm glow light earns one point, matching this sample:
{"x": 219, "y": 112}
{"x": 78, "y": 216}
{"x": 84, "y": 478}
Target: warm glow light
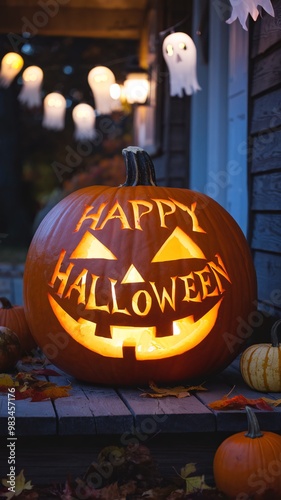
{"x": 30, "y": 93}
{"x": 100, "y": 80}
{"x": 180, "y": 55}
{"x": 186, "y": 335}
{"x": 115, "y": 91}
{"x": 54, "y": 111}
{"x": 84, "y": 119}
{"x": 136, "y": 88}
{"x": 11, "y": 65}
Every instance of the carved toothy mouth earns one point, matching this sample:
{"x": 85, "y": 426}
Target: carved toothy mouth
{"x": 186, "y": 335}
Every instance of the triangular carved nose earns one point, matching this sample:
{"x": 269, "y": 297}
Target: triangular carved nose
{"x": 132, "y": 276}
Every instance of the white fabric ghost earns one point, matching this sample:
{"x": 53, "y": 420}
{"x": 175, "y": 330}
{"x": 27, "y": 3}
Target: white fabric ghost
{"x": 100, "y": 79}
{"x": 30, "y": 93}
{"x": 54, "y": 111}
{"x": 179, "y": 52}
{"x": 84, "y": 119}
{"x": 241, "y": 9}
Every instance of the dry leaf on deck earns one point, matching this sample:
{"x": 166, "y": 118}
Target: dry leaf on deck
{"x": 238, "y": 403}
{"x": 53, "y": 392}
{"x": 7, "y": 381}
{"x": 272, "y": 402}
{"x": 28, "y": 386}
{"x": 178, "y": 391}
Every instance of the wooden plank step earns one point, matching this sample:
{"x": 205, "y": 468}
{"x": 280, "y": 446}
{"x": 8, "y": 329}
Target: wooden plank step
{"x": 37, "y": 419}
{"x": 169, "y": 414}
{"x": 110, "y": 413}
{"x": 89, "y": 409}
{"x": 74, "y": 416}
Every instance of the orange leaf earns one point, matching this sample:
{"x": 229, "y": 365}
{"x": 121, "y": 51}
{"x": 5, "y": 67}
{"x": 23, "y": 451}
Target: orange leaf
{"x": 51, "y": 393}
{"x": 238, "y": 403}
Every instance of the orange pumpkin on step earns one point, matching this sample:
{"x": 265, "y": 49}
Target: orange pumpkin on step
{"x": 13, "y": 317}
{"x": 133, "y": 283}
{"x": 249, "y": 465}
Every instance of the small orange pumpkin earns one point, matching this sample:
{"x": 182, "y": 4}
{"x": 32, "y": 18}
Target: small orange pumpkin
{"x": 260, "y": 364}
{"x": 249, "y": 465}
{"x": 13, "y": 317}
{"x": 10, "y": 349}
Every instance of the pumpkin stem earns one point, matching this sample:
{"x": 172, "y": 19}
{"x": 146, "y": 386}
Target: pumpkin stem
{"x": 139, "y": 167}
{"x": 273, "y": 333}
{"x": 5, "y": 303}
{"x": 253, "y": 425}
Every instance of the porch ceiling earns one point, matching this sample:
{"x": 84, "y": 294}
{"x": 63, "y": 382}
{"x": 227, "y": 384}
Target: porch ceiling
{"x": 120, "y": 19}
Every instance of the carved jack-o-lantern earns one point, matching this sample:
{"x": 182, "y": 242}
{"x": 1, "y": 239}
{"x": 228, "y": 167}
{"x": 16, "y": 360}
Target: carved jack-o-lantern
{"x": 138, "y": 282}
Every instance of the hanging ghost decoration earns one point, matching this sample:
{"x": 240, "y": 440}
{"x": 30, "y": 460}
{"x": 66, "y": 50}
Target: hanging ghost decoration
{"x": 242, "y": 8}
{"x": 54, "y": 111}
{"x": 179, "y": 52}
{"x": 11, "y": 65}
{"x": 84, "y": 119}
{"x": 30, "y": 93}
{"x": 100, "y": 79}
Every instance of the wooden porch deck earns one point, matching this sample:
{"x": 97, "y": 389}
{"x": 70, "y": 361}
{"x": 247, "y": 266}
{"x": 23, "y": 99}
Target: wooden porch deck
{"x": 98, "y": 410}
{"x": 62, "y": 437}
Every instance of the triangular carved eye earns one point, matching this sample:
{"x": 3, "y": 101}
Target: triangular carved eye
{"x": 91, "y": 248}
{"x": 178, "y": 246}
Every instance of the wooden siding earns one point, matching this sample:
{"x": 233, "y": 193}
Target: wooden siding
{"x": 172, "y": 162}
{"x": 264, "y": 155}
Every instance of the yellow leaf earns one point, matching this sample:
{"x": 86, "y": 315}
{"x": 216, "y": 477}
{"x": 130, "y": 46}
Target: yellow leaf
{"x": 20, "y": 486}
{"x": 272, "y": 402}
{"x": 187, "y": 470}
{"x": 7, "y": 381}
{"x": 53, "y": 392}
{"x": 196, "y": 483}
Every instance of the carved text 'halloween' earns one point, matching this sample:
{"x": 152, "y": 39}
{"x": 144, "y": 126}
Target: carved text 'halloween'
{"x": 195, "y": 287}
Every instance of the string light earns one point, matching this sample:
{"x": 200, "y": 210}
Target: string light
{"x": 11, "y": 65}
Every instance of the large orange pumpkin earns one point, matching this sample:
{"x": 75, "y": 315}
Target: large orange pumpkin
{"x": 127, "y": 284}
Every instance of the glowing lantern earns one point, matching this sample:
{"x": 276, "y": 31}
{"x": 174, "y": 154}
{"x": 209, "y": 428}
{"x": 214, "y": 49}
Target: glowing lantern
{"x": 84, "y": 118}
{"x": 30, "y": 93}
{"x": 136, "y": 88}
{"x": 54, "y": 111}
{"x": 138, "y": 282}
{"x": 179, "y": 52}
{"x": 242, "y": 8}
{"x": 10, "y": 66}
{"x": 100, "y": 80}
